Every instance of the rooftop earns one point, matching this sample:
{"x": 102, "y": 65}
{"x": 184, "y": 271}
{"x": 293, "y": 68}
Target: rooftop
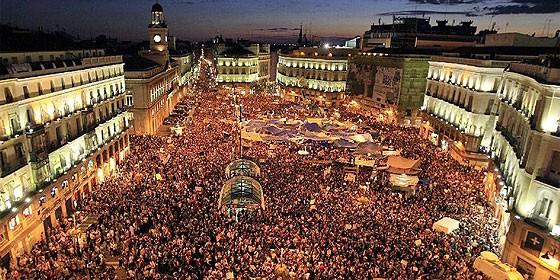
{"x": 236, "y": 50}
{"x": 35, "y": 68}
{"x": 544, "y": 71}
{"x": 138, "y": 63}
{"x": 321, "y": 53}
{"x": 14, "y": 39}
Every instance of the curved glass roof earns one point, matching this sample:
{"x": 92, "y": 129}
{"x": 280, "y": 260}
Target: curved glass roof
{"x": 241, "y": 191}
{"x": 242, "y": 167}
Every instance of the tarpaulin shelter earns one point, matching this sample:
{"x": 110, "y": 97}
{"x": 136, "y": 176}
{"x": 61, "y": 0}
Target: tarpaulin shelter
{"x": 312, "y": 127}
{"x": 369, "y": 148}
{"x": 402, "y": 165}
{"x": 341, "y": 143}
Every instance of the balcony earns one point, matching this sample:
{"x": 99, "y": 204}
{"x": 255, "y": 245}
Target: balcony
{"x": 514, "y": 141}
{"x": 538, "y": 220}
{"x": 15, "y": 134}
{"x": 9, "y": 169}
{"x": 34, "y": 129}
{"x": 38, "y": 154}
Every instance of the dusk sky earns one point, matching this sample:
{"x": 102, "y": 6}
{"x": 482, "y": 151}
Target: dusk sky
{"x": 273, "y": 20}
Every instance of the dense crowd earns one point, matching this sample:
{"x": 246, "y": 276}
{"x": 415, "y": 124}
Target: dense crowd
{"x": 170, "y": 228}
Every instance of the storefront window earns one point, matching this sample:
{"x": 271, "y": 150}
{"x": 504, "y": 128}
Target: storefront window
{"x": 14, "y": 222}
{"x": 525, "y": 268}
{"x": 7, "y": 202}
{"x": 18, "y": 192}
{"x": 27, "y": 212}
{"x": 42, "y": 200}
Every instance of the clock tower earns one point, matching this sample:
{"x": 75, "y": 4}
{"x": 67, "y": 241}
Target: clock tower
{"x": 158, "y": 32}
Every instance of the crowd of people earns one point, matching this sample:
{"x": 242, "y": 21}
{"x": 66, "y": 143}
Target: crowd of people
{"x": 169, "y": 226}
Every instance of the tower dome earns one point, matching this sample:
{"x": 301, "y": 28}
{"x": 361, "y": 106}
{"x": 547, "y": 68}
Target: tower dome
{"x": 157, "y": 8}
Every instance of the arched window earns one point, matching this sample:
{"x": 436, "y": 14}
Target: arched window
{"x": 8, "y": 95}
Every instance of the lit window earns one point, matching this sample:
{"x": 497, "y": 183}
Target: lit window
{"x": 14, "y": 222}
{"x": 544, "y": 207}
{"x": 42, "y": 200}
{"x": 27, "y": 212}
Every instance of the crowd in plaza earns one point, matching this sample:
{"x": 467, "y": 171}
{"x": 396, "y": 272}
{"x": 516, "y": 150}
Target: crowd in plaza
{"x": 158, "y": 214}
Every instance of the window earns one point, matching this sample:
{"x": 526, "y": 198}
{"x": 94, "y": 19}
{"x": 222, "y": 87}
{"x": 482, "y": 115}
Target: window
{"x": 18, "y": 192}
{"x": 27, "y": 212}
{"x": 42, "y": 200}
{"x": 555, "y": 165}
{"x": 8, "y": 95}
{"x": 14, "y": 122}
{"x": 14, "y": 222}
{"x": 544, "y": 206}
{"x": 25, "y": 92}
{"x": 525, "y": 268}
{"x": 6, "y": 197}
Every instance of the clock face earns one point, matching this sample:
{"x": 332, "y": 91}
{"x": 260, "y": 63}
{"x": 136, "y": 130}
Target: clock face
{"x": 157, "y": 38}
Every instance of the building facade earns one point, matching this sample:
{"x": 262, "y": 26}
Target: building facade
{"x": 63, "y": 128}
{"x": 381, "y": 83}
{"x": 156, "y": 82}
{"x": 519, "y": 40}
{"x": 316, "y": 75}
{"x": 526, "y": 155}
{"x": 242, "y": 62}
{"x": 460, "y": 106}
{"x": 412, "y": 32}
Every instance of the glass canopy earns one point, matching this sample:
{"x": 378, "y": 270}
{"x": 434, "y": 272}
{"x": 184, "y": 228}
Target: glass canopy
{"x": 241, "y": 192}
{"x": 242, "y": 167}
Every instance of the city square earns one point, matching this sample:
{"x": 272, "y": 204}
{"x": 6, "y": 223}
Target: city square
{"x": 384, "y": 157}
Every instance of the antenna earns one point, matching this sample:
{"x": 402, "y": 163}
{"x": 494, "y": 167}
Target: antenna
{"x": 490, "y": 23}
{"x": 446, "y": 7}
{"x": 505, "y": 29}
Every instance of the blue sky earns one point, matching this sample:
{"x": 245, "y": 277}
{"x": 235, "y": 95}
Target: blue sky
{"x": 274, "y": 20}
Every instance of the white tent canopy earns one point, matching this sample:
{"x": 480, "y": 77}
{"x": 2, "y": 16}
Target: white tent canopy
{"x": 490, "y": 265}
{"x": 403, "y": 180}
{"x": 446, "y": 225}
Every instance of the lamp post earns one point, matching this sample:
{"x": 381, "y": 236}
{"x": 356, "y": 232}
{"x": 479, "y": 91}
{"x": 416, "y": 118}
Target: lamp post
{"x": 239, "y": 107}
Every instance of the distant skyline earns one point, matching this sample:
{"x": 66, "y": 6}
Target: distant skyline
{"x": 275, "y": 21}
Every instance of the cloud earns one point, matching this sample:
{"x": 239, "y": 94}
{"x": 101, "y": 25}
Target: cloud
{"x": 421, "y": 12}
{"x": 447, "y": 2}
{"x": 524, "y": 7}
{"x": 277, "y": 29}
{"x": 505, "y": 7}
{"x": 193, "y": 2}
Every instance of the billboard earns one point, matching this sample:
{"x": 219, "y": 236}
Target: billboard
{"x": 381, "y": 84}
